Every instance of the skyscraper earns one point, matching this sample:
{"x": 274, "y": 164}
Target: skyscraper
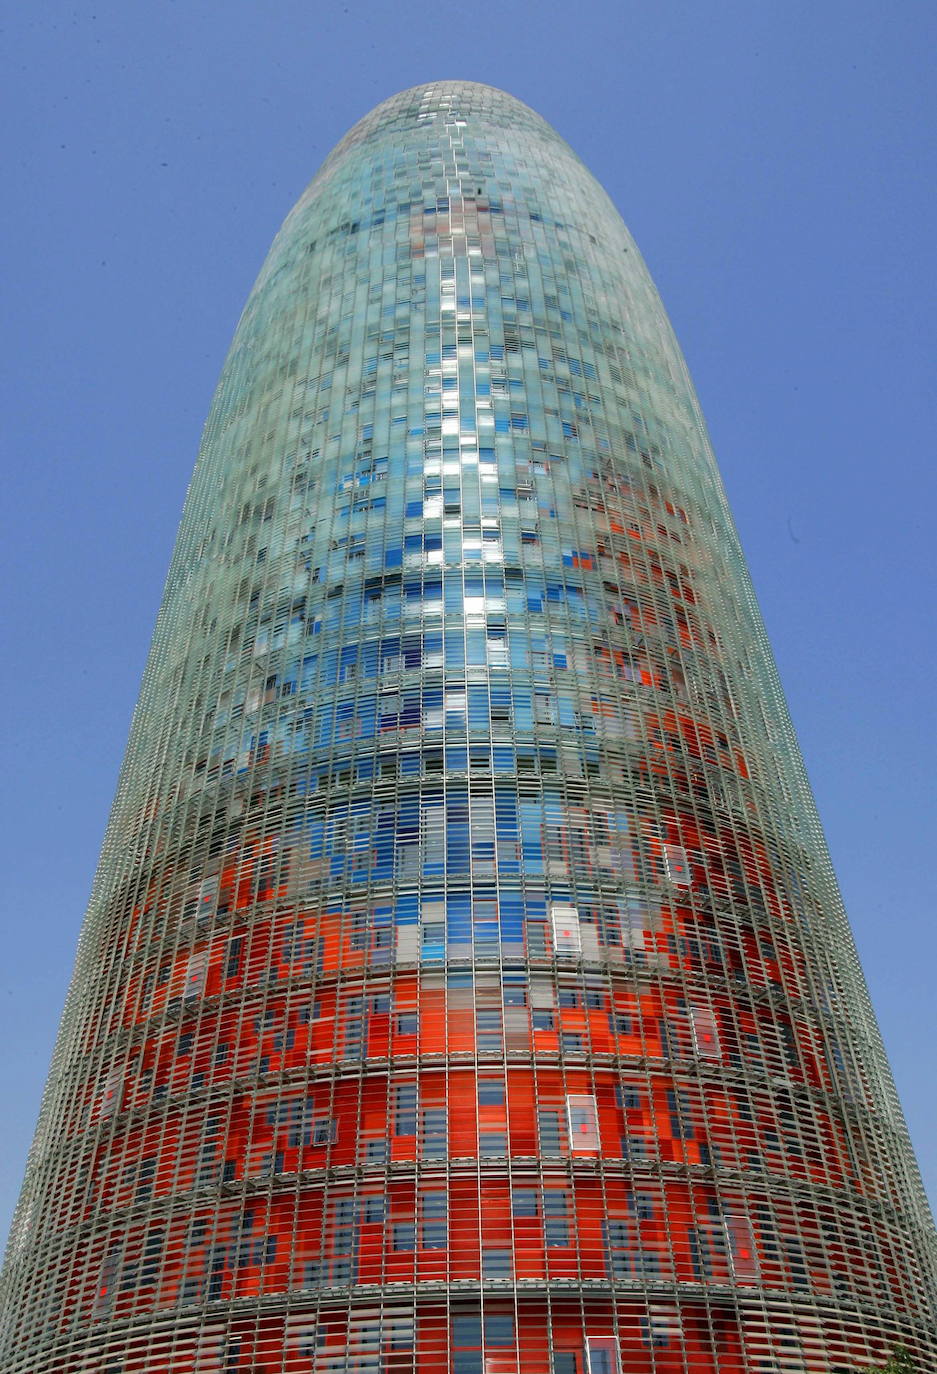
{"x": 465, "y": 985}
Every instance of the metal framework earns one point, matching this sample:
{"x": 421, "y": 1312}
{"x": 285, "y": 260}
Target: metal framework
{"x": 465, "y": 985}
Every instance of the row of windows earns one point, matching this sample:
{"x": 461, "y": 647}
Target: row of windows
{"x": 465, "y": 1016}
{"x": 530, "y": 1231}
{"x": 389, "y": 1121}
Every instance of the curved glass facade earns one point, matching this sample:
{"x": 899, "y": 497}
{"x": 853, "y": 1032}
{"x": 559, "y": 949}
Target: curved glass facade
{"x": 465, "y": 985}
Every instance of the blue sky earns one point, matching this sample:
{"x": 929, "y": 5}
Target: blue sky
{"x": 776, "y": 163}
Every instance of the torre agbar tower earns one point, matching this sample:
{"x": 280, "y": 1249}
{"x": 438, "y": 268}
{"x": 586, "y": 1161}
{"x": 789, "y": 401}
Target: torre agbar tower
{"x": 465, "y": 985}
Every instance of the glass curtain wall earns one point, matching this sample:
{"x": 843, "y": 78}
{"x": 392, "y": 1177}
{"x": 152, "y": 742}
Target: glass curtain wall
{"x": 465, "y": 985}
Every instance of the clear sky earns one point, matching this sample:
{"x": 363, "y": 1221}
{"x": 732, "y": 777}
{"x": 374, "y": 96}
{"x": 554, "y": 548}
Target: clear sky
{"x": 776, "y": 163}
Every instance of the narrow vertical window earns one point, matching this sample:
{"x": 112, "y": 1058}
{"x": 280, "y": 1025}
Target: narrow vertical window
{"x": 582, "y": 1121}
{"x": 567, "y": 940}
{"x": 602, "y": 1355}
{"x": 405, "y": 1109}
{"x": 435, "y": 1134}
{"x": 551, "y": 1135}
{"x": 705, "y": 1033}
{"x": 741, "y": 1244}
